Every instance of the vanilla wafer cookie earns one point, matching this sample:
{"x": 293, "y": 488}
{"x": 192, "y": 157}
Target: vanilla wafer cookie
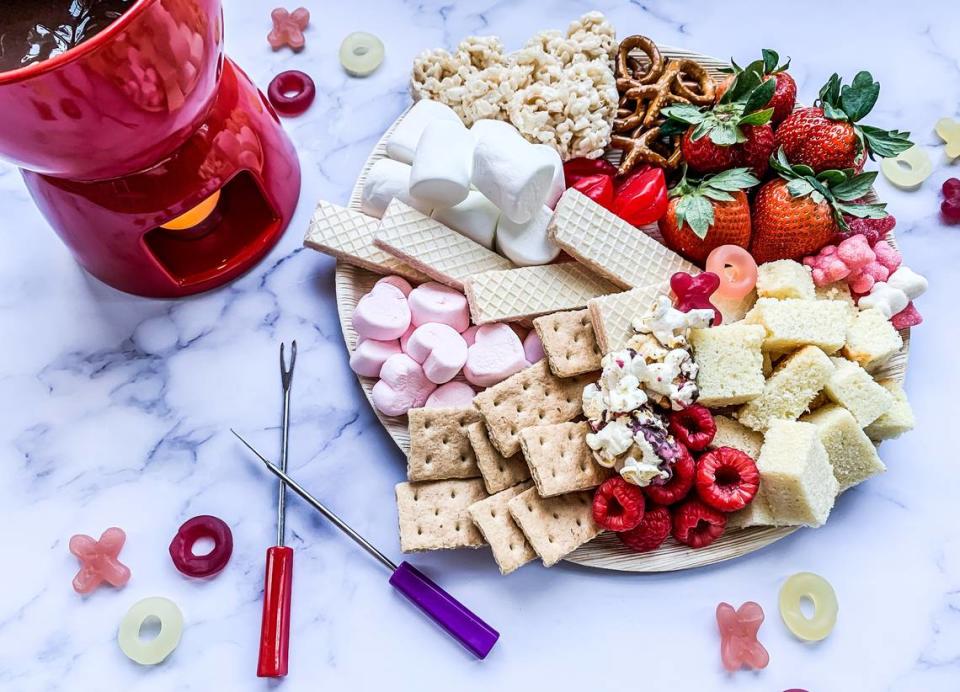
{"x": 559, "y": 459}
{"x": 610, "y": 246}
{"x": 612, "y": 316}
{"x": 439, "y": 446}
{"x": 507, "y": 542}
{"x": 433, "y": 515}
{"x": 528, "y": 292}
{"x": 430, "y": 247}
{"x": 498, "y": 472}
{"x": 533, "y": 396}
{"x": 554, "y": 526}
{"x": 348, "y": 235}
{"x": 568, "y": 342}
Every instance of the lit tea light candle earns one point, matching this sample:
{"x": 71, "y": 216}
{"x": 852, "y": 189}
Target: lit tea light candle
{"x": 194, "y": 216}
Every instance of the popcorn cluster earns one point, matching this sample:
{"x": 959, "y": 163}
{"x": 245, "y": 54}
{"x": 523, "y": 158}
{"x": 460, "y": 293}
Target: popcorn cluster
{"x": 558, "y": 90}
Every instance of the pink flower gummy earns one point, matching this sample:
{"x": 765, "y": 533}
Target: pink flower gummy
{"x": 739, "y": 645}
{"x": 98, "y": 560}
{"x": 288, "y": 28}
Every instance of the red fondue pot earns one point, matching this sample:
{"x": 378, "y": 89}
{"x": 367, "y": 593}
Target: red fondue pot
{"x": 145, "y": 122}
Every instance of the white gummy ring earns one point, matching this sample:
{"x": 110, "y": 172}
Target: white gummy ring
{"x": 150, "y": 652}
{"x": 361, "y": 53}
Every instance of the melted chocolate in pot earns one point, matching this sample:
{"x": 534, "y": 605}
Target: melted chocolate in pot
{"x": 34, "y": 30}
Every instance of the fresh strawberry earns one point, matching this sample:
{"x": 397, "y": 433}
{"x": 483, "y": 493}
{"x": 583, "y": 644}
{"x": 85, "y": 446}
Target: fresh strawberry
{"x": 652, "y": 530}
{"x": 785, "y": 93}
{"x": 693, "y": 426}
{"x": 697, "y": 525}
{"x": 679, "y": 484}
{"x": 829, "y": 136}
{"x": 727, "y": 479}
{"x": 727, "y": 134}
{"x": 617, "y": 505}
{"x": 704, "y": 215}
{"x": 799, "y": 212}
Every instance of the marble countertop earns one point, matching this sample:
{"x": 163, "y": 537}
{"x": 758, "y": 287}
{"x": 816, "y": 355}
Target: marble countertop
{"x": 116, "y": 409}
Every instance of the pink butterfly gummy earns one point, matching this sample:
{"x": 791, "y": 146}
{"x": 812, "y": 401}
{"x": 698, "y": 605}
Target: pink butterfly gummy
{"x": 98, "y": 560}
{"x": 739, "y": 645}
{"x": 693, "y": 293}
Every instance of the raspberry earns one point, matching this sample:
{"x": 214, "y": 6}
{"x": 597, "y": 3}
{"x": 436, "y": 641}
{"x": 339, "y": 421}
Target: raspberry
{"x": 678, "y": 487}
{"x": 652, "y": 530}
{"x": 618, "y": 505}
{"x": 873, "y": 230}
{"x": 950, "y": 210}
{"x": 693, "y": 427}
{"x": 697, "y": 525}
{"x": 727, "y": 479}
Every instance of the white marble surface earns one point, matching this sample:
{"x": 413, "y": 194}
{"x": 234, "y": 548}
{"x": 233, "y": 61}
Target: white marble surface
{"x": 115, "y": 412}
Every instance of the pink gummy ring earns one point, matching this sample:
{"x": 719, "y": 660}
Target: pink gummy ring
{"x": 291, "y": 92}
{"x": 192, "y": 530}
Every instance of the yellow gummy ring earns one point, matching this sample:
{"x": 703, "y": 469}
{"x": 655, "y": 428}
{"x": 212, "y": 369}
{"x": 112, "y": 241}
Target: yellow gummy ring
{"x": 153, "y": 651}
{"x": 821, "y": 594}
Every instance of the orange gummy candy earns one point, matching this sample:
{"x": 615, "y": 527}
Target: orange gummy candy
{"x": 736, "y": 268}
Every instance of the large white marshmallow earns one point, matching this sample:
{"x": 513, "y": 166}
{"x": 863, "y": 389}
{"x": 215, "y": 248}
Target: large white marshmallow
{"x": 388, "y": 179}
{"x": 475, "y": 217}
{"x": 527, "y": 244}
{"x": 443, "y": 164}
{"x": 908, "y": 281}
{"x": 402, "y": 143}
{"x": 558, "y": 183}
{"x": 510, "y": 171}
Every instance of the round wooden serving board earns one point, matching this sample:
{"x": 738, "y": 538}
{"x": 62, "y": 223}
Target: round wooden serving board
{"x": 605, "y": 551}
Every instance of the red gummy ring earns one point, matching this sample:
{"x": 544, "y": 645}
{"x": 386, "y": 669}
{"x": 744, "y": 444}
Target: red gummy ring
{"x": 192, "y": 530}
{"x": 291, "y": 92}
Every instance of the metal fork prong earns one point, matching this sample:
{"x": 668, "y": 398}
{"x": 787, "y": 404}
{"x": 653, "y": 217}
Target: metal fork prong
{"x": 287, "y": 372}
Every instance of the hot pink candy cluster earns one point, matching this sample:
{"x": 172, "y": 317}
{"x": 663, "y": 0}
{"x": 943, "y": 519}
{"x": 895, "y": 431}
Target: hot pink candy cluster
{"x": 417, "y": 340}
{"x": 853, "y": 260}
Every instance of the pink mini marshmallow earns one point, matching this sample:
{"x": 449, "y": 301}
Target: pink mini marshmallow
{"x": 434, "y": 302}
{"x": 382, "y": 314}
{"x": 496, "y": 354}
{"x": 398, "y": 282}
{"x": 439, "y": 349}
{"x": 532, "y": 347}
{"x": 403, "y": 385}
{"x": 908, "y": 317}
{"x": 470, "y": 334}
{"x": 451, "y": 395}
{"x": 370, "y": 355}
{"x": 406, "y": 337}
{"x": 888, "y": 256}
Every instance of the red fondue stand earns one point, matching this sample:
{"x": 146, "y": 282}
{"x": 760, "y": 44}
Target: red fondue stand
{"x": 148, "y": 123}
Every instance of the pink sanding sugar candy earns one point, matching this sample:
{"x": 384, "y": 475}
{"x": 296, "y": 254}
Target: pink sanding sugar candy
{"x": 908, "y": 317}
{"x": 288, "y": 28}
{"x": 739, "y": 645}
{"x": 99, "y": 560}
{"x": 826, "y": 266}
{"x": 888, "y": 256}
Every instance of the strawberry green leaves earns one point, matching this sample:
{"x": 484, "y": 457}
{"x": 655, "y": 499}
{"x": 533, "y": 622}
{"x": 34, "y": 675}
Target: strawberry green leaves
{"x": 742, "y": 104}
{"x": 851, "y": 103}
{"x": 839, "y": 189}
{"x": 695, "y": 208}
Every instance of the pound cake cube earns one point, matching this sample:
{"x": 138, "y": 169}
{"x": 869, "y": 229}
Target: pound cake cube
{"x": 853, "y": 388}
{"x": 757, "y": 513}
{"x": 839, "y": 291}
{"x": 730, "y": 363}
{"x": 794, "y": 384}
{"x": 897, "y": 420}
{"x": 785, "y": 279}
{"x": 795, "y": 474}
{"x": 871, "y": 339}
{"x": 851, "y": 453}
{"x": 731, "y": 433}
{"x": 794, "y": 322}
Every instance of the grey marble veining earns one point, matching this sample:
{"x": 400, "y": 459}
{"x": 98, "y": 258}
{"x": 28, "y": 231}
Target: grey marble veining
{"x": 116, "y": 410}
